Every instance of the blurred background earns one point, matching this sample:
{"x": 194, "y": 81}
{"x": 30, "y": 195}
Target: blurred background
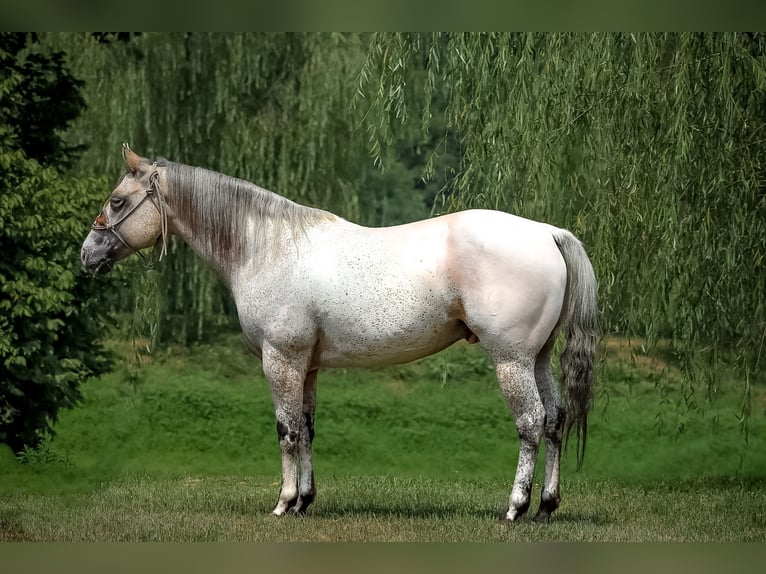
{"x": 649, "y": 147}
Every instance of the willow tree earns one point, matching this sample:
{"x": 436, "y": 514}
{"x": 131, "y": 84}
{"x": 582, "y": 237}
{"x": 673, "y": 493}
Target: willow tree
{"x": 649, "y": 146}
{"x": 269, "y": 108}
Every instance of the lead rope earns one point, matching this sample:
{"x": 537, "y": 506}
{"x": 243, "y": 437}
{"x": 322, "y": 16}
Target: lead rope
{"x": 160, "y": 204}
{"x": 145, "y": 322}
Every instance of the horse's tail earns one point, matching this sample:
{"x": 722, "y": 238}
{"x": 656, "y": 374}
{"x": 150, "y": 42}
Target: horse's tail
{"x": 579, "y": 318}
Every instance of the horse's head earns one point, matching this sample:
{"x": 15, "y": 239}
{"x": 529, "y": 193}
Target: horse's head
{"x": 132, "y": 218}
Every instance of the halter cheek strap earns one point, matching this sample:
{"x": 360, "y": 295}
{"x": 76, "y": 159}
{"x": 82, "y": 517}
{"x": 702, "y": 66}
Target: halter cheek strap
{"x": 102, "y": 222}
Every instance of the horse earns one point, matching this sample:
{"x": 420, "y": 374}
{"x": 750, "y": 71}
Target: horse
{"x": 313, "y": 291}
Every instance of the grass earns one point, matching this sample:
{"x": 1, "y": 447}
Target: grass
{"x": 421, "y": 452}
{"x": 370, "y": 508}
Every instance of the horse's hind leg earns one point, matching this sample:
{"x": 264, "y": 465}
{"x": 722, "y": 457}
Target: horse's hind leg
{"x": 517, "y": 381}
{"x": 554, "y": 424}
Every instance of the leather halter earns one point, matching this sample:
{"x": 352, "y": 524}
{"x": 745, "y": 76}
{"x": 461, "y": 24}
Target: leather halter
{"x": 102, "y": 222}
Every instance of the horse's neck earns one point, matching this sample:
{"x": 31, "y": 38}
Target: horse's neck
{"x": 227, "y": 246}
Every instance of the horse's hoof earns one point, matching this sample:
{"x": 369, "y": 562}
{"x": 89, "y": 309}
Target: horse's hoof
{"x": 542, "y": 517}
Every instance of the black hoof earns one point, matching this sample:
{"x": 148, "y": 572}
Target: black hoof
{"x": 542, "y": 517}
{"x": 307, "y": 500}
{"x": 548, "y": 505}
{"x": 300, "y": 507}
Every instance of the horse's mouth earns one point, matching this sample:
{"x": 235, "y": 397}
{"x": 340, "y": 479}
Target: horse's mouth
{"x": 100, "y": 267}
{"x": 104, "y": 266}
{"x": 97, "y": 255}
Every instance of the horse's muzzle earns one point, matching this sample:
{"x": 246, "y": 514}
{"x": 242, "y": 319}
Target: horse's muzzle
{"x": 97, "y": 254}
{"x": 96, "y": 265}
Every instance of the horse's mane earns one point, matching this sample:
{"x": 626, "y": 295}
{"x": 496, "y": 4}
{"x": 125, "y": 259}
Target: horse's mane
{"x": 230, "y": 213}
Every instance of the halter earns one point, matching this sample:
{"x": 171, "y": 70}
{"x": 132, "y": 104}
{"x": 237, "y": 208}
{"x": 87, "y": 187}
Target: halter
{"x": 102, "y": 222}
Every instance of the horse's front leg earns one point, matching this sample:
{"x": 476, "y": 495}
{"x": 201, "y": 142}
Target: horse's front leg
{"x": 286, "y": 373}
{"x": 306, "y": 486}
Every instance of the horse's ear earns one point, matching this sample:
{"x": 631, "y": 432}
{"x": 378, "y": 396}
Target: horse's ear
{"x": 132, "y": 160}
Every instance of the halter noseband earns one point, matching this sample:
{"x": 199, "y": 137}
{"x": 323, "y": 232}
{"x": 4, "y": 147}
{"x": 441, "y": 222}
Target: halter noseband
{"x": 102, "y": 222}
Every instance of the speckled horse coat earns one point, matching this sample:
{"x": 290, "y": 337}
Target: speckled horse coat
{"x": 313, "y": 290}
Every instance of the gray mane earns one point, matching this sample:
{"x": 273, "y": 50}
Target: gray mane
{"x": 219, "y": 208}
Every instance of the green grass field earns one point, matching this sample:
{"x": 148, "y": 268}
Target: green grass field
{"x": 381, "y": 508}
{"x": 421, "y": 452}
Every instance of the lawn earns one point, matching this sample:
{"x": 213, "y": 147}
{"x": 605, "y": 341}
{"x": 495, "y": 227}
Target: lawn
{"x": 420, "y": 452}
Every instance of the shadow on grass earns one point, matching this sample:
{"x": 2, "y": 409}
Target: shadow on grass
{"x": 447, "y": 512}
{"x": 581, "y": 518}
{"x": 353, "y": 509}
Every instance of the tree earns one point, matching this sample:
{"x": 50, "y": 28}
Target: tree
{"x": 45, "y": 99}
{"x": 52, "y": 316}
{"x": 648, "y": 146}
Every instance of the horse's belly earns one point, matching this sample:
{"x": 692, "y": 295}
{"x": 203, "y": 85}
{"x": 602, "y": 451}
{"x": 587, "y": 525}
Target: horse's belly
{"x": 391, "y": 345}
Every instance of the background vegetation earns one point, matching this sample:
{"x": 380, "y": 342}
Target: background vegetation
{"x": 648, "y": 146}
{"x": 51, "y": 315}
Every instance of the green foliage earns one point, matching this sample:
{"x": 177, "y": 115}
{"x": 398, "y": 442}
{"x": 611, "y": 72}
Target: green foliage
{"x": 50, "y": 313}
{"x": 44, "y": 99}
{"x": 414, "y": 170}
{"x": 648, "y": 146}
{"x": 42, "y": 454}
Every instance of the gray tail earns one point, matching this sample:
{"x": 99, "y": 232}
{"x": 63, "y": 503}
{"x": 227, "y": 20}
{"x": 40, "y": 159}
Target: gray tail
{"x": 579, "y": 318}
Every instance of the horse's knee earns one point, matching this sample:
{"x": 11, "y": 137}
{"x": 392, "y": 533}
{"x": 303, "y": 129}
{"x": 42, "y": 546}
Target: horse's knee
{"x": 554, "y": 423}
{"x": 288, "y": 436}
{"x": 531, "y": 425}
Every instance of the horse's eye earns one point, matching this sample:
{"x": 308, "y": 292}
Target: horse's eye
{"x": 117, "y": 202}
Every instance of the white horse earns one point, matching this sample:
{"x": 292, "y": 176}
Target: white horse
{"x": 313, "y": 290}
